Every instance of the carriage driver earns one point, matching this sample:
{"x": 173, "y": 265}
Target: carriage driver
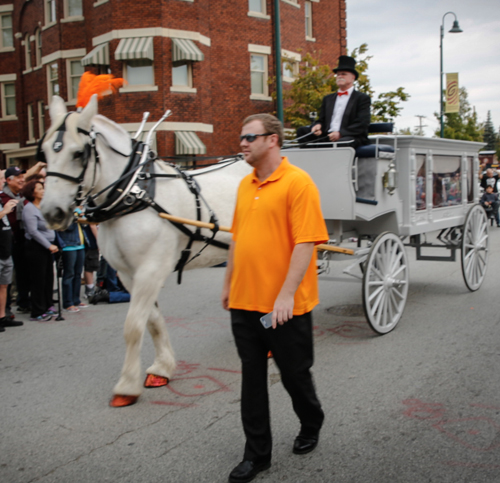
{"x": 272, "y": 267}
{"x": 344, "y": 115}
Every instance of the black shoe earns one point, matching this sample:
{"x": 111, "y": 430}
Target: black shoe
{"x": 8, "y": 322}
{"x": 305, "y": 444}
{"x": 100, "y": 296}
{"x": 246, "y": 471}
{"x": 2, "y": 328}
{"x": 23, "y": 310}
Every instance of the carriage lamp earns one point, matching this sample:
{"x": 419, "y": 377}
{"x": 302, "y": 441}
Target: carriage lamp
{"x": 389, "y": 178}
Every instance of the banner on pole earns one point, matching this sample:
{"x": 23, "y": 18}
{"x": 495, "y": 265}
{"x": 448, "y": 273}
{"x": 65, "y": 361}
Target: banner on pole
{"x": 452, "y": 93}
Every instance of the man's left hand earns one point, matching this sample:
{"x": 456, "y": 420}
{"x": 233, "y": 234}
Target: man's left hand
{"x": 283, "y": 309}
{"x": 334, "y": 136}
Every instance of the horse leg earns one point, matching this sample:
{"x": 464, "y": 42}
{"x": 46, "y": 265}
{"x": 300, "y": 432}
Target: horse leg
{"x": 163, "y": 366}
{"x": 144, "y": 291}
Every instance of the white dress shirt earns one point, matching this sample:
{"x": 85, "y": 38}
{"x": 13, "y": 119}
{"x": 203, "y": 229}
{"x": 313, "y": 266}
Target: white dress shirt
{"x": 339, "y": 109}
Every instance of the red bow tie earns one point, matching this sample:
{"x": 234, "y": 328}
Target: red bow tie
{"x": 343, "y": 93}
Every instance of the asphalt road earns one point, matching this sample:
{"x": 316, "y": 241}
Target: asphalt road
{"x": 421, "y": 404}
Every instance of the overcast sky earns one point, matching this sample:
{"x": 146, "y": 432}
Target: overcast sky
{"x": 403, "y": 38}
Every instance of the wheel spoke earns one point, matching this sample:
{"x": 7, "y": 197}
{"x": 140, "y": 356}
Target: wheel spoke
{"x": 375, "y": 293}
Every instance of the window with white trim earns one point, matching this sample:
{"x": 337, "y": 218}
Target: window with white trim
{"x": 75, "y": 70}
{"x": 27, "y": 52}
{"x": 139, "y": 72}
{"x": 41, "y": 119}
{"x": 290, "y": 69}
{"x": 258, "y": 74}
{"x": 38, "y": 47}
{"x": 257, "y": 6}
{"x": 50, "y": 12}
{"x": 53, "y": 79}
{"x": 31, "y": 124}
{"x": 6, "y": 37}
{"x": 8, "y": 94}
{"x": 308, "y": 15}
{"x": 73, "y": 8}
{"x": 182, "y": 74}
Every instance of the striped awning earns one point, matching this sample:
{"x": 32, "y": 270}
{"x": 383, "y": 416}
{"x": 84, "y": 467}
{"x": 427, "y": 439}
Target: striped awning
{"x": 97, "y": 56}
{"x": 187, "y": 142}
{"x": 183, "y": 49}
{"x": 135, "y": 48}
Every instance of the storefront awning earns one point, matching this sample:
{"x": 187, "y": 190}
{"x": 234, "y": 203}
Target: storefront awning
{"x": 187, "y": 142}
{"x": 97, "y": 56}
{"x": 135, "y": 48}
{"x": 183, "y": 49}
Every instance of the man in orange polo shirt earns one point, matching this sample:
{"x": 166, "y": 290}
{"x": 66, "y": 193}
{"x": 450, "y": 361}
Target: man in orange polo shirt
{"x": 272, "y": 267}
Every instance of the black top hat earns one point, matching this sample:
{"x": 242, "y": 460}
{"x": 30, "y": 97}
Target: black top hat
{"x": 347, "y": 63}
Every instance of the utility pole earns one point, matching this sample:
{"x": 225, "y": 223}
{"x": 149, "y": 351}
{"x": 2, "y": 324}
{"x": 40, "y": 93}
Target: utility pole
{"x": 420, "y": 125}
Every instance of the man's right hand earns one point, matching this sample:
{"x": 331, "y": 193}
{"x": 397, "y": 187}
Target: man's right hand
{"x": 316, "y": 130}
{"x": 9, "y": 206}
{"x": 225, "y": 298}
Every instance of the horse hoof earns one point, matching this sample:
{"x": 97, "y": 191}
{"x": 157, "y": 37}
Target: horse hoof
{"x": 121, "y": 401}
{"x": 269, "y": 355}
{"x": 155, "y": 381}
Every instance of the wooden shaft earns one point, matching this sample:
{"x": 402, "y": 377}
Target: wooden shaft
{"x": 210, "y": 226}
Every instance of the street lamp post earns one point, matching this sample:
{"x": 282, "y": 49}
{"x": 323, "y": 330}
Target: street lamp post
{"x": 454, "y": 30}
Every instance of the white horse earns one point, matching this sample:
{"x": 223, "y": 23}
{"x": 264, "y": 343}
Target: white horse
{"x": 141, "y": 246}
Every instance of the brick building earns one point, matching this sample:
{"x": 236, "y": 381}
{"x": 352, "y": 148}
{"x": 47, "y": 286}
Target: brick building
{"x": 206, "y": 60}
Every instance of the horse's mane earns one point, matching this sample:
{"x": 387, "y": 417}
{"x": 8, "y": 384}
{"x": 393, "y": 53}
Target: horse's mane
{"x": 111, "y": 130}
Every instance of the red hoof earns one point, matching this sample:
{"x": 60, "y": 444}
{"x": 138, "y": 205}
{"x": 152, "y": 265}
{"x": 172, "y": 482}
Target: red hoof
{"x": 155, "y": 381}
{"x": 121, "y": 401}
{"x": 269, "y": 355}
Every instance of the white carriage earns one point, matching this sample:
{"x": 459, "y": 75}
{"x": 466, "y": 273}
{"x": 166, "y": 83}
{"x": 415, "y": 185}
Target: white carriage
{"x": 406, "y": 188}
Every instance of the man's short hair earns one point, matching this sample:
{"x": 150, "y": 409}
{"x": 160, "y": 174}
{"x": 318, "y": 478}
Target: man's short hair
{"x": 271, "y": 124}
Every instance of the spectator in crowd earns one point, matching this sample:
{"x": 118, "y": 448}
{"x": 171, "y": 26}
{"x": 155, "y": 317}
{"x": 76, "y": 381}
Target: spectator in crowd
{"x": 489, "y": 201}
{"x": 91, "y": 258}
{"x": 490, "y": 178}
{"x": 109, "y": 288}
{"x": 72, "y": 243}
{"x": 14, "y": 177}
{"x": 6, "y": 264}
{"x": 39, "y": 252}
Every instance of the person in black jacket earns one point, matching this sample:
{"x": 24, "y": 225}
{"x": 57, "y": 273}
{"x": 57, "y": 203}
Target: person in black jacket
{"x": 344, "y": 115}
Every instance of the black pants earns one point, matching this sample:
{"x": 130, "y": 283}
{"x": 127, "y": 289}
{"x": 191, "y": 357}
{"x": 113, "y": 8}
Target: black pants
{"x": 292, "y": 348}
{"x": 22, "y": 275}
{"x": 41, "y": 277}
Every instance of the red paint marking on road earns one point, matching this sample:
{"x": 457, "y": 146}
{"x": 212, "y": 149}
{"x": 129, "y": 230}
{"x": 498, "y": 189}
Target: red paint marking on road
{"x": 483, "y": 406}
{"x": 219, "y": 386}
{"x": 441, "y": 426}
{"x": 420, "y": 410}
{"x": 171, "y": 403}
{"x": 471, "y": 465}
{"x": 199, "y": 386}
{"x": 352, "y": 330}
{"x": 223, "y": 370}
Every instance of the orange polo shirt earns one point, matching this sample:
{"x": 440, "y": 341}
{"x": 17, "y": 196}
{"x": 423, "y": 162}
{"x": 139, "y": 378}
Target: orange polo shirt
{"x": 270, "y": 218}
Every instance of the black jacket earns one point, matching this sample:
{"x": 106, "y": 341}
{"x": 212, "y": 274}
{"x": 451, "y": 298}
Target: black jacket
{"x": 356, "y": 117}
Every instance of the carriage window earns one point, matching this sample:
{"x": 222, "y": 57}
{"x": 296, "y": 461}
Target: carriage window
{"x": 139, "y": 72}
{"x": 471, "y": 179}
{"x": 447, "y": 181}
{"x": 420, "y": 182}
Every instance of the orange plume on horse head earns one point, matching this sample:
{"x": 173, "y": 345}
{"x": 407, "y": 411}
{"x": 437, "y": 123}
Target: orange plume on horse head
{"x": 102, "y": 85}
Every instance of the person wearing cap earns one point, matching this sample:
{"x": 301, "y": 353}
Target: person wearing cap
{"x": 344, "y": 115}
{"x": 14, "y": 178}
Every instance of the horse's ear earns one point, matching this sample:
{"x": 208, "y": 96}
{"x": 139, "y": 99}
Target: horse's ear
{"x": 89, "y": 111}
{"x": 57, "y": 109}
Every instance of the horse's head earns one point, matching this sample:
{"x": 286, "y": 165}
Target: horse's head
{"x": 66, "y": 150}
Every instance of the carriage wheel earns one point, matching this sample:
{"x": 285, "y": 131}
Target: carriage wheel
{"x": 475, "y": 240}
{"x": 385, "y": 283}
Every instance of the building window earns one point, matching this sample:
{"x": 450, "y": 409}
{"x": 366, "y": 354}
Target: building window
{"x": 31, "y": 124}
{"x": 290, "y": 70}
{"x": 73, "y": 8}
{"x": 38, "y": 47}
{"x": 258, "y": 6}
{"x": 75, "y": 70}
{"x": 8, "y": 100}
{"x": 27, "y": 51}
{"x": 41, "y": 119}
{"x": 50, "y": 11}
{"x": 258, "y": 69}
{"x": 139, "y": 72}
{"x": 53, "y": 78}
{"x": 309, "y": 24}
{"x": 6, "y": 39}
{"x": 182, "y": 74}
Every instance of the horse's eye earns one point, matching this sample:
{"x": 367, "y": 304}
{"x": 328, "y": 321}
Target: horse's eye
{"x": 78, "y": 154}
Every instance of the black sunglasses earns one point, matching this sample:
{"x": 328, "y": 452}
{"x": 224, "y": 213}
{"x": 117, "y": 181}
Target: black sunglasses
{"x": 252, "y": 137}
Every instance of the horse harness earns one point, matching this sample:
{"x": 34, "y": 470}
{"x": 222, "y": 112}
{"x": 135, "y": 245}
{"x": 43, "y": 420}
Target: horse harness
{"x": 134, "y": 190}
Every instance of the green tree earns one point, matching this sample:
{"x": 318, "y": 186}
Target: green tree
{"x": 316, "y": 80}
{"x": 490, "y": 137}
{"x": 463, "y": 124}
